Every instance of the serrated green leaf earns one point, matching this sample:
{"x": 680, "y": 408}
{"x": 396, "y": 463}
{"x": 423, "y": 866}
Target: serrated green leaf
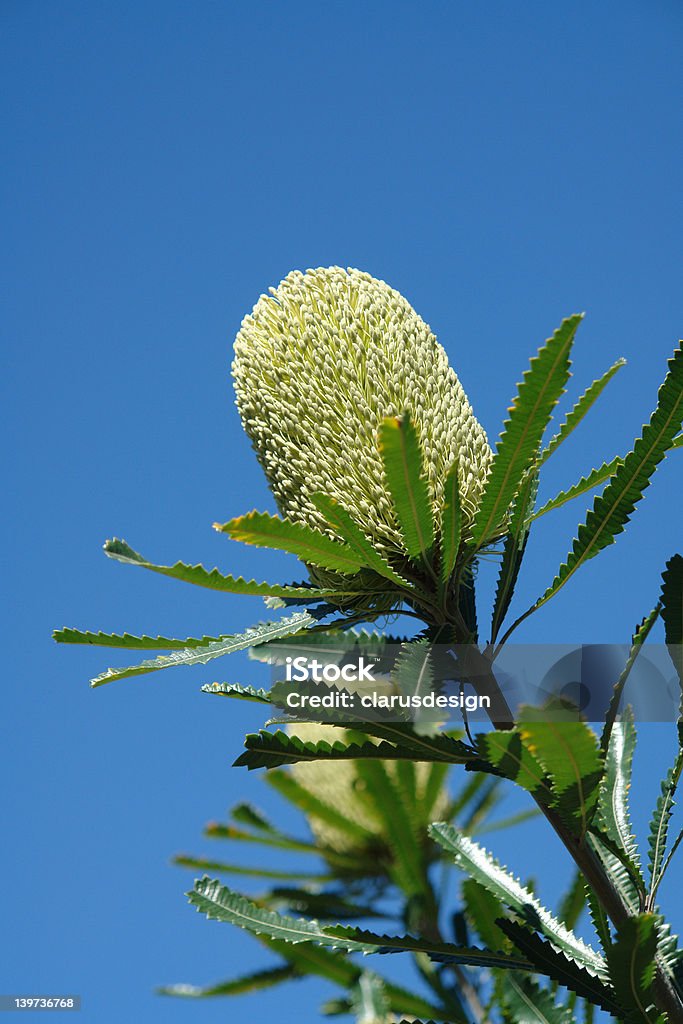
{"x": 222, "y": 904}
{"x": 479, "y": 864}
{"x": 608, "y": 849}
{"x": 613, "y": 813}
{"x": 613, "y": 508}
{"x": 624, "y": 875}
{"x": 513, "y": 548}
{"x": 238, "y": 692}
{"x": 669, "y": 956}
{"x": 413, "y": 673}
{"x": 404, "y": 469}
{"x": 246, "y": 814}
{"x": 573, "y": 902}
{"x": 665, "y": 867}
{"x": 569, "y": 753}
{"x": 280, "y": 841}
{"x": 352, "y": 535}
{"x": 408, "y": 867}
{"x": 219, "y": 903}
{"x": 639, "y": 637}
{"x": 130, "y": 642}
{"x": 443, "y": 952}
{"x": 451, "y": 524}
{"x": 583, "y": 405}
{"x": 437, "y": 747}
{"x": 383, "y": 725}
{"x": 253, "y": 982}
{"x": 505, "y": 750}
{"x": 599, "y": 918}
{"x": 556, "y": 965}
{"x": 659, "y": 826}
{"x": 672, "y": 610}
{"x": 333, "y": 643}
{"x": 311, "y": 546}
{"x": 271, "y": 750}
{"x": 541, "y": 388}
{"x": 632, "y": 968}
{"x": 414, "y": 1020}
{"x": 207, "y": 864}
{"x": 587, "y": 483}
{"x": 528, "y": 1003}
{"x": 213, "y": 579}
{"x": 260, "y": 633}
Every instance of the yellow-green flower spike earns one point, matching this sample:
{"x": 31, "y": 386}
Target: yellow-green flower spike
{"x": 319, "y": 363}
{"x": 337, "y": 784}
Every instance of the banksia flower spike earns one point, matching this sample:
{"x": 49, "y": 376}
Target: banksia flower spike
{"x": 319, "y": 365}
{"x": 338, "y": 784}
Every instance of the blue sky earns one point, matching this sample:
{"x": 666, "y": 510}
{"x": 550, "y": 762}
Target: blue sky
{"x": 502, "y": 165}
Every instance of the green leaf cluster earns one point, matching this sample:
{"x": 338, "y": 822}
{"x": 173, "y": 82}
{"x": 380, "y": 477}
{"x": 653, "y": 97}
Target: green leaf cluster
{"x": 504, "y": 955}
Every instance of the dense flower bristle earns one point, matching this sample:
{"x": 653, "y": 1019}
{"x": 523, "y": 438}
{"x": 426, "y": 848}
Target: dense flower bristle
{"x": 318, "y": 364}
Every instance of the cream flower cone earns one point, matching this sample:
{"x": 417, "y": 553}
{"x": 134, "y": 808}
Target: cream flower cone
{"x": 319, "y": 363}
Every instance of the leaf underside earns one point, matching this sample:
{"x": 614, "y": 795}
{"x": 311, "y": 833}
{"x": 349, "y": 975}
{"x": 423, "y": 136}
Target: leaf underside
{"x": 219, "y": 903}
{"x": 200, "y": 655}
{"x": 613, "y": 813}
{"x": 479, "y": 864}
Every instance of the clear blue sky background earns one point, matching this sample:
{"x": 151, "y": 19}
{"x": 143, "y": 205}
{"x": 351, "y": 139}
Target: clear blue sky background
{"x": 501, "y": 164}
